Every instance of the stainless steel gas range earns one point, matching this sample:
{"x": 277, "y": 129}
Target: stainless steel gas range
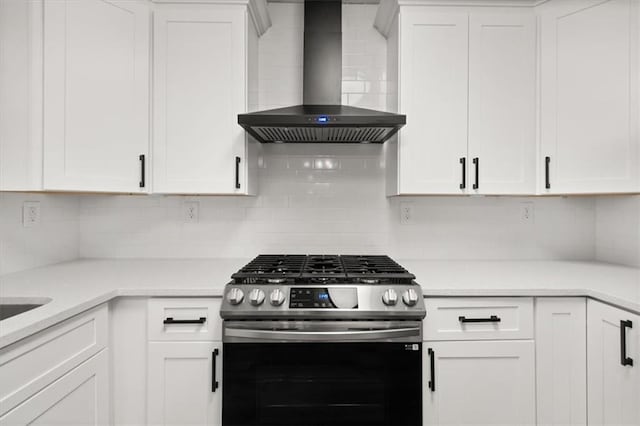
{"x": 322, "y": 340}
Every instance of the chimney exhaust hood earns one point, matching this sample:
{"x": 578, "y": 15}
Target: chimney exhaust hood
{"x": 321, "y": 118}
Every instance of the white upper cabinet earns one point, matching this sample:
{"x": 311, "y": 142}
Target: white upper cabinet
{"x": 466, "y": 81}
{"x": 502, "y": 87}
{"x": 433, "y": 81}
{"x": 96, "y": 95}
{"x": 20, "y": 95}
{"x": 205, "y": 61}
{"x": 590, "y": 79}
{"x": 75, "y": 107}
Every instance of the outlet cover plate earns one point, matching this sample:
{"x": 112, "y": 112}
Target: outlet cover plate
{"x": 191, "y": 210}
{"x": 30, "y": 214}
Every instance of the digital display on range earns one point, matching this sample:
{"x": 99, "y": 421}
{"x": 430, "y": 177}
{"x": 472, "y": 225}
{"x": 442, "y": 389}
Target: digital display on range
{"x": 310, "y": 298}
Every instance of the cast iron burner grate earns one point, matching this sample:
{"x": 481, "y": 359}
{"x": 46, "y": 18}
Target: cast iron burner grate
{"x": 322, "y": 269}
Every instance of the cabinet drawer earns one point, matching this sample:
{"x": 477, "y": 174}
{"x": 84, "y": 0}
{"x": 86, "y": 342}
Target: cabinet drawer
{"x": 478, "y": 318}
{"x": 184, "y": 319}
{"x": 80, "y": 397}
{"x": 31, "y": 364}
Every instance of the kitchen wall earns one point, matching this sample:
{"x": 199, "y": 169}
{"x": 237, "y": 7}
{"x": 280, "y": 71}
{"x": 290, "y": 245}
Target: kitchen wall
{"x": 55, "y": 239}
{"x": 618, "y": 229}
{"x": 328, "y": 198}
{"x": 320, "y": 198}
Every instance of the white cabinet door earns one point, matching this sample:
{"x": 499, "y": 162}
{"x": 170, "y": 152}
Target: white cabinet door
{"x": 200, "y": 85}
{"x": 561, "y": 360}
{"x": 96, "y": 94}
{"x": 614, "y": 389}
{"x": 433, "y": 82}
{"x": 21, "y": 95}
{"x": 480, "y": 383}
{"x": 181, "y": 383}
{"x": 590, "y": 80}
{"x": 80, "y": 397}
{"x": 502, "y": 83}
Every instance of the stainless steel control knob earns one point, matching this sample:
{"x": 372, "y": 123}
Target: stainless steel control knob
{"x": 410, "y": 297}
{"x": 256, "y": 297}
{"x": 235, "y": 296}
{"x": 390, "y": 297}
{"x": 277, "y": 297}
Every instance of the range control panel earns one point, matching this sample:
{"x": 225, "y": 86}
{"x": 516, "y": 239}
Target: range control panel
{"x": 340, "y": 301}
{"x": 310, "y": 298}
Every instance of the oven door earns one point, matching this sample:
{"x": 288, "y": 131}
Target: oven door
{"x": 313, "y": 373}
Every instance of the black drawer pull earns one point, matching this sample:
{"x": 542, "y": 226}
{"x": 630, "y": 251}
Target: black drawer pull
{"x": 476, "y": 161}
{"x": 237, "y": 172}
{"x": 432, "y": 363}
{"x": 547, "y": 181}
{"x": 492, "y": 318}
{"x": 142, "y": 171}
{"x": 624, "y": 359}
{"x": 463, "y": 161}
{"x": 214, "y": 379}
{"x": 170, "y": 320}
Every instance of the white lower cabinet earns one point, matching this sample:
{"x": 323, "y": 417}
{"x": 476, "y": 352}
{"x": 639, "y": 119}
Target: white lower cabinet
{"x": 613, "y": 339}
{"x": 59, "y": 376}
{"x": 182, "y": 387}
{"x": 184, "y": 362}
{"x": 479, "y": 383}
{"x": 561, "y": 360}
{"x": 80, "y": 397}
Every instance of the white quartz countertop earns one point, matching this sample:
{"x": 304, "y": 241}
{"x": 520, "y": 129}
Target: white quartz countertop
{"x": 74, "y": 287}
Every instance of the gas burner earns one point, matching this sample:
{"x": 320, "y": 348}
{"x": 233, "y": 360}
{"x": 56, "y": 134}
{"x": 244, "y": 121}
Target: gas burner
{"x": 309, "y": 269}
{"x": 268, "y": 267}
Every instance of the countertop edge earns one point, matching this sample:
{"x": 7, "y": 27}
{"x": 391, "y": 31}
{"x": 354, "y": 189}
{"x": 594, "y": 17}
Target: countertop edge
{"x": 58, "y": 317}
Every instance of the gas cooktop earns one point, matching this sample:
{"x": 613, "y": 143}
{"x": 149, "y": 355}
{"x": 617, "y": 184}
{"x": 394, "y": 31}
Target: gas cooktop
{"x": 312, "y": 269}
{"x": 322, "y": 286}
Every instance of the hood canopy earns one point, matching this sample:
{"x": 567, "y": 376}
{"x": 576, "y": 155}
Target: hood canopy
{"x": 321, "y": 118}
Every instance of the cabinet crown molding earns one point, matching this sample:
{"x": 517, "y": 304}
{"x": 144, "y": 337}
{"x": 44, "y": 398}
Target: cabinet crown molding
{"x": 257, "y": 10}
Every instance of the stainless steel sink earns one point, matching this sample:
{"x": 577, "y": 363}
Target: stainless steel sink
{"x": 12, "y": 306}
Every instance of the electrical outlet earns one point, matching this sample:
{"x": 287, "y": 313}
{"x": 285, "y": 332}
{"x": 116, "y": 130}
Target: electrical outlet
{"x": 30, "y": 214}
{"x": 406, "y": 213}
{"x": 191, "y": 212}
{"x": 527, "y": 212}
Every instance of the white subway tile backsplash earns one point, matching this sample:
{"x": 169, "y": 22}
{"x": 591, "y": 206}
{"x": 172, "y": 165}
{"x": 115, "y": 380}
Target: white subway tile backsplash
{"x": 54, "y": 240}
{"x": 618, "y": 230}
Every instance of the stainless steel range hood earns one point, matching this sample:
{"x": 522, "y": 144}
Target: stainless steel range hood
{"x": 321, "y": 118}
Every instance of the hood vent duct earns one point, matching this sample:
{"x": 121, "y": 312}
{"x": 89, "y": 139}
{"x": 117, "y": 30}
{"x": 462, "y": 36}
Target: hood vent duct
{"x": 321, "y": 119}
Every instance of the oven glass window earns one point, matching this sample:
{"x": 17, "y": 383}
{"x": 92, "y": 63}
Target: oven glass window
{"x": 322, "y": 384}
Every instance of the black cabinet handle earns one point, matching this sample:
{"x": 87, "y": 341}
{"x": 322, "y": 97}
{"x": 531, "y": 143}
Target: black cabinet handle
{"x": 463, "y": 161}
{"x": 142, "y": 173}
{"x": 492, "y": 318}
{"x": 237, "y": 172}
{"x": 624, "y": 359}
{"x": 476, "y": 161}
{"x": 214, "y": 381}
{"x": 432, "y": 363}
{"x": 547, "y": 181}
{"x": 170, "y": 320}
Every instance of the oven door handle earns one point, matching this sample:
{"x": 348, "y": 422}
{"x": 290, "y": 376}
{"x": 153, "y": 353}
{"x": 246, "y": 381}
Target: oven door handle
{"x": 323, "y": 336}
